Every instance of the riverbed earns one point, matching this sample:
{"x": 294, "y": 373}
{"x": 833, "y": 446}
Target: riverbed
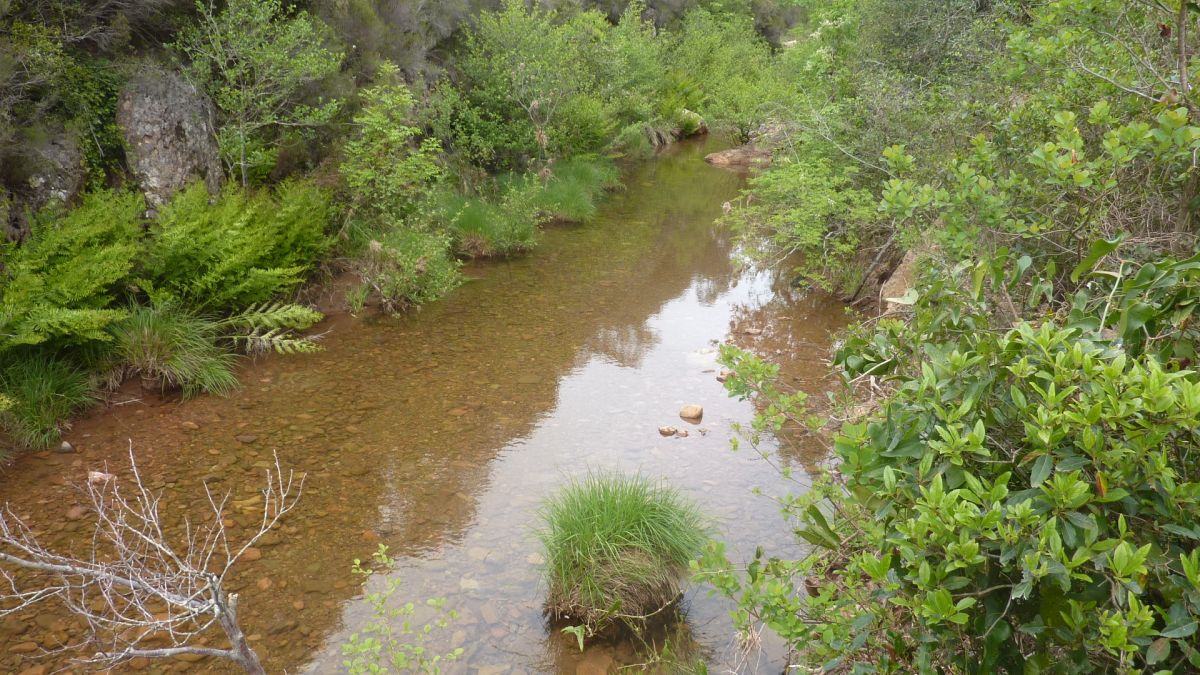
{"x": 439, "y": 433}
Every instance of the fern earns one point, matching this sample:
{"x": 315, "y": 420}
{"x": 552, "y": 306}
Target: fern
{"x": 273, "y": 316}
{"x": 61, "y": 283}
{"x": 243, "y": 249}
{"x": 268, "y": 327}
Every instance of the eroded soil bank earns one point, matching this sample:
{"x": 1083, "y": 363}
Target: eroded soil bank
{"x": 439, "y": 433}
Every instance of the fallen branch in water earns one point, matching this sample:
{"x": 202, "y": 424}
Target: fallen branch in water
{"x": 140, "y": 595}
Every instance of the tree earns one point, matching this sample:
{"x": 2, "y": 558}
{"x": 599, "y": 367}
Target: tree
{"x": 139, "y": 582}
{"x": 257, "y": 61}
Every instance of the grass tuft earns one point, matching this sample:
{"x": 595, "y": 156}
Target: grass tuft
{"x": 40, "y": 394}
{"x": 575, "y": 187}
{"x": 616, "y": 547}
{"x": 173, "y": 348}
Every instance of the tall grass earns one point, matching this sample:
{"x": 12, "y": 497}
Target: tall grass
{"x": 501, "y": 221}
{"x": 173, "y": 348}
{"x": 575, "y": 186}
{"x": 616, "y": 546}
{"x": 41, "y": 393}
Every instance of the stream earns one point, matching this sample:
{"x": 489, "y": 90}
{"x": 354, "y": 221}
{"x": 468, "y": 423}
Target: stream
{"x": 439, "y": 433}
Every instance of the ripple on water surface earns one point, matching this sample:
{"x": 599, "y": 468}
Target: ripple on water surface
{"x": 439, "y": 433}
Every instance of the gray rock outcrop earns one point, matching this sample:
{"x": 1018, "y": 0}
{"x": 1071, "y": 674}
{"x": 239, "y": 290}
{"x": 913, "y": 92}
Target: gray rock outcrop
{"x": 170, "y": 138}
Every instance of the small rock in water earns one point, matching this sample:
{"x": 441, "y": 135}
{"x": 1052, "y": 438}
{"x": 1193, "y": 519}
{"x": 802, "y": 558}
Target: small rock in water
{"x": 725, "y": 374}
{"x": 246, "y": 438}
{"x": 66, "y": 448}
{"x": 691, "y": 413}
{"x": 370, "y": 536}
{"x": 753, "y": 331}
{"x": 264, "y": 583}
{"x": 99, "y": 477}
{"x": 189, "y": 425}
{"x": 76, "y": 512}
{"x": 594, "y": 662}
{"x": 252, "y": 554}
{"x": 668, "y": 431}
{"x": 682, "y": 433}
{"x": 466, "y": 584}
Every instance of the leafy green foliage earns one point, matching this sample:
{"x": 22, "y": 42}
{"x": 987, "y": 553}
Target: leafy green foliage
{"x": 387, "y": 171}
{"x": 62, "y": 284}
{"x": 404, "y": 267}
{"x": 258, "y": 60}
{"x": 615, "y": 546}
{"x": 271, "y": 327}
{"x": 811, "y": 208}
{"x": 390, "y": 640}
{"x": 243, "y": 249}
{"x": 41, "y": 395}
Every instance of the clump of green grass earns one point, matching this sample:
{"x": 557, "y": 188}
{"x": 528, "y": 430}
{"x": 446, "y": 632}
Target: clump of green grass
{"x": 500, "y": 222}
{"x": 173, "y": 348}
{"x": 40, "y": 394}
{"x": 616, "y": 547}
{"x": 574, "y": 187}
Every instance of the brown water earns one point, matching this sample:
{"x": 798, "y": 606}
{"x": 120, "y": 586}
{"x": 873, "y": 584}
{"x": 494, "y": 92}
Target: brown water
{"x": 440, "y": 432}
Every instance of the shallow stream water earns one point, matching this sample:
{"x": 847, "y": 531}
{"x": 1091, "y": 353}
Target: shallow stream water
{"x": 439, "y": 433}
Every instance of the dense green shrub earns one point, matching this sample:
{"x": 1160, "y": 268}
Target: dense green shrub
{"x": 171, "y": 348}
{"x": 615, "y": 547}
{"x": 244, "y": 248}
{"x": 61, "y": 285}
{"x": 259, "y": 61}
{"x": 42, "y": 393}
{"x": 405, "y": 267}
{"x": 389, "y": 172}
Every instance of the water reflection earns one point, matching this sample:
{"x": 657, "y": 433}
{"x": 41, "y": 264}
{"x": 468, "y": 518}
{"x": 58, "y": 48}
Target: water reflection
{"x": 439, "y": 433}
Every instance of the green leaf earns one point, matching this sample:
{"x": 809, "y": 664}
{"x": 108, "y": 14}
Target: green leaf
{"x": 1041, "y": 470}
{"x": 1158, "y": 651}
{"x": 1098, "y": 250}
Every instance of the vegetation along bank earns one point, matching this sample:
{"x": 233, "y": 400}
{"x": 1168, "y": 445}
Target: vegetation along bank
{"x": 174, "y": 174}
{"x": 1011, "y": 483}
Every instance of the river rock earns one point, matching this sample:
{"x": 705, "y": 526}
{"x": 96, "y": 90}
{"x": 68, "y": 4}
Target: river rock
{"x": 66, "y": 448}
{"x": 170, "y": 136}
{"x": 27, "y": 647}
{"x": 76, "y": 512}
{"x": 667, "y": 431}
{"x": 682, "y": 433}
{"x": 692, "y": 413}
{"x": 741, "y": 158}
{"x": 251, "y": 554}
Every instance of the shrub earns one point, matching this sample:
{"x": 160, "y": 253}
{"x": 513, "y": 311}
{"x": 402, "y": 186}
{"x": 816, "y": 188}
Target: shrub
{"x": 245, "y": 248}
{"x": 387, "y": 171}
{"x": 42, "y": 393}
{"x": 405, "y": 267}
{"x": 172, "y": 348}
{"x": 259, "y": 61}
{"x": 390, "y": 639}
{"x": 574, "y": 188}
{"x": 59, "y": 286}
{"x": 615, "y": 547}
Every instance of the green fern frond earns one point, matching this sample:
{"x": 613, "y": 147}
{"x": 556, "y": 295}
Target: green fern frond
{"x": 270, "y": 316}
{"x": 276, "y": 340}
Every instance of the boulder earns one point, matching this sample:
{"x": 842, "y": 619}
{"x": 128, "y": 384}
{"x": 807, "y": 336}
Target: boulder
{"x": 740, "y": 158}
{"x": 692, "y": 413}
{"x": 170, "y": 136}
{"x": 58, "y": 169}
